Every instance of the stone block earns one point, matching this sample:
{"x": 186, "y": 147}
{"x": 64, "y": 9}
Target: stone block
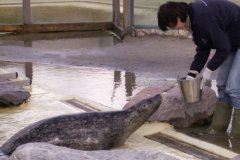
{"x": 173, "y": 109}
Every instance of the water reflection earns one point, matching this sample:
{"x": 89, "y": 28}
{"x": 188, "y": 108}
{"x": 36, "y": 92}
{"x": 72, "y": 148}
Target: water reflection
{"x": 52, "y": 83}
{"x": 129, "y": 84}
{"x": 29, "y": 71}
{"x": 220, "y": 139}
{"x": 108, "y": 87}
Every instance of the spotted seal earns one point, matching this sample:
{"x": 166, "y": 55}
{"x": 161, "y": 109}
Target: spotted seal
{"x": 86, "y": 131}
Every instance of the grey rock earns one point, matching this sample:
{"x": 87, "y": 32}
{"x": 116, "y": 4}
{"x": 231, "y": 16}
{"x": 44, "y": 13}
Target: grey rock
{"x": 173, "y": 108}
{"x": 12, "y": 94}
{"x": 86, "y": 131}
{"x": 149, "y": 92}
{"x": 44, "y": 151}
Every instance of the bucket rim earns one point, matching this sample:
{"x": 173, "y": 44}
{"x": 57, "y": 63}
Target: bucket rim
{"x": 184, "y": 78}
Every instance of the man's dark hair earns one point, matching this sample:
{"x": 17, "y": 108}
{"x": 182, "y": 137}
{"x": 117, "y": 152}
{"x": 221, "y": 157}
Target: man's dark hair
{"x": 169, "y": 12}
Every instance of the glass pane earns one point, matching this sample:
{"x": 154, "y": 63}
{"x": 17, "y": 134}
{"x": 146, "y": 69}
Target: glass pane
{"x": 11, "y": 12}
{"x": 69, "y": 11}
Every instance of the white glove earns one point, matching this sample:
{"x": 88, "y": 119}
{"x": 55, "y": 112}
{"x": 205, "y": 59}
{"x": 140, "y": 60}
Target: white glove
{"x": 189, "y": 78}
{"x": 206, "y": 75}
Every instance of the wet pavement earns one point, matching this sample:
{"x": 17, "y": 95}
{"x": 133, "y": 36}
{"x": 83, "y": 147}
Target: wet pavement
{"x": 221, "y": 139}
{"x": 137, "y": 55}
{"x": 93, "y": 65}
{"x": 108, "y": 87}
{"x": 58, "y": 65}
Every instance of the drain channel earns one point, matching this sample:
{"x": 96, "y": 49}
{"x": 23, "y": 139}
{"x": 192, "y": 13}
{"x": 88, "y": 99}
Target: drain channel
{"x": 184, "y": 147}
{"x": 80, "y": 105}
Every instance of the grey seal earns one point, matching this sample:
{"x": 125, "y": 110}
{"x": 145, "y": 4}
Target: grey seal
{"x": 86, "y": 131}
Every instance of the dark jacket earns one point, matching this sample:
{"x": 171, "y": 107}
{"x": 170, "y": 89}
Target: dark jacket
{"x": 215, "y": 25}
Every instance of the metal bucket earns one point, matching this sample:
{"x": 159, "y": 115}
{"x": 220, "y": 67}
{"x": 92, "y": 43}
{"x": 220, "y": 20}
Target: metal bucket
{"x": 190, "y": 89}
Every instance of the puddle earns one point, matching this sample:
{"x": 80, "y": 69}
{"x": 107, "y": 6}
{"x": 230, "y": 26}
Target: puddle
{"x": 51, "y": 83}
{"x": 111, "y": 88}
{"x": 108, "y": 87}
{"x": 220, "y": 139}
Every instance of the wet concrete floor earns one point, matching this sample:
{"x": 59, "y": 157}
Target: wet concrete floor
{"x": 107, "y": 86}
{"x": 221, "y": 139}
{"x": 93, "y": 65}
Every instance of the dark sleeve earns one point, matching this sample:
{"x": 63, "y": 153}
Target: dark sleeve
{"x": 200, "y": 58}
{"x": 220, "y": 42}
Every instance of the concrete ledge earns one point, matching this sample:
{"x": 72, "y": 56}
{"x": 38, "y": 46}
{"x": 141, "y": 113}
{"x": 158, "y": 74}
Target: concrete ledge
{"x": 61, "y": 27}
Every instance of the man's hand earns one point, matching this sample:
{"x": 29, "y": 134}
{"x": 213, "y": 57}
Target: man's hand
{"x": 206, "y": 75}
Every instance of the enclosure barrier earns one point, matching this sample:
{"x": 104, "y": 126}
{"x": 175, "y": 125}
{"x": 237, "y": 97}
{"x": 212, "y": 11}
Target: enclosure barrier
{"x": 117, "y": 23}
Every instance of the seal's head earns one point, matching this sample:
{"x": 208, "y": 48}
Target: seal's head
{"x": 147, "y": 107}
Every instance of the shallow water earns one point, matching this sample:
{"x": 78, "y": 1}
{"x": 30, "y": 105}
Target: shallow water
{"x": 52, "y": 83}
{"x": 108, "y": 87}
{"x": 221, "y": 139}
